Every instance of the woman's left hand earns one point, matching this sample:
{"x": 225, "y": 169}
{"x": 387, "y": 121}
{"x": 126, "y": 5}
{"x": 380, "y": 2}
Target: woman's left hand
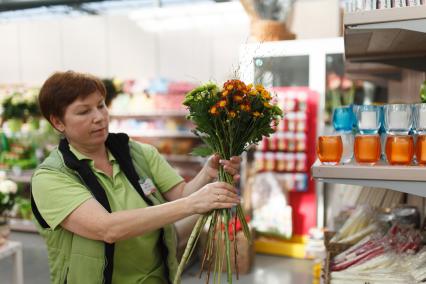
{"x": 231, "y": 166}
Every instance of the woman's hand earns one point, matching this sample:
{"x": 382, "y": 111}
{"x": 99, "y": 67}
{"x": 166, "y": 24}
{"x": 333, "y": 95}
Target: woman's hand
{"x": 231, "y": 166}
{"x": 214, "y": 195}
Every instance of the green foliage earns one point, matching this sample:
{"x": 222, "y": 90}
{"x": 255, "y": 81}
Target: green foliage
{"x": 423, "y": 92}
{"x": 202, "y": 151}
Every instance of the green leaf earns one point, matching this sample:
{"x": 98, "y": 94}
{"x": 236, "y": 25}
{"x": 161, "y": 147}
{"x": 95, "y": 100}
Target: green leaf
{"x": 423, "y": 92}
{"x": 202, "y": 151}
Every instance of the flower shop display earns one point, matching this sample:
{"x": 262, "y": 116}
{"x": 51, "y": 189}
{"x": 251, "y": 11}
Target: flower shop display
{"x": 21, "y": 106}
{"x": 8, "y": 192}
{"x": 228, "y": 120}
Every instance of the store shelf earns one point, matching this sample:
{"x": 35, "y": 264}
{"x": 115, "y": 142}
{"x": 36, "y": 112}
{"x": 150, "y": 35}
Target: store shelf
{"x": 390, "y": 36}
{"x": 22, "y": 225}
{"x": 160, "y": 134}
{"x": 408, "y": 179}
{"x": 294, "y": 247}
{"x": 154, "y": 114}
{"x": 184, "y": 158}
{"x": 24, "y": 176}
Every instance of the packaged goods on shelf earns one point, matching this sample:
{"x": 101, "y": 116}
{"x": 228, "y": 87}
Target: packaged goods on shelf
{"x": 389, "y": 257}
{"x": 375, "y": 244}
{"x": 271, "y": 212}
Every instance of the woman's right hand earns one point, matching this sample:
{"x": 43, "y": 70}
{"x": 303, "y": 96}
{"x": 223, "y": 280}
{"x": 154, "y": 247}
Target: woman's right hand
{"x": 214, "y": 195}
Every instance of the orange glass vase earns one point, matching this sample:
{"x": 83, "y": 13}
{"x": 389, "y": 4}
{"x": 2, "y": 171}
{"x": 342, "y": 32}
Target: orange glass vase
{"x": 330, "y": 149}
{"x": 421, "y": 150}
{"x": 367, "y": 149}
{"x": 399, "y": 149}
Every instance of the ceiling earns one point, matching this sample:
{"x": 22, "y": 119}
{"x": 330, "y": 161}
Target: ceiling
{"x": 10, "y": 8}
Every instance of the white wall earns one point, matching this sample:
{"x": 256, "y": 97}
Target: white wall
{"x": 115, "y": 46}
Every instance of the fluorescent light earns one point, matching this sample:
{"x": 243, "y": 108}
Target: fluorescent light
{"x": 186, "y": 17}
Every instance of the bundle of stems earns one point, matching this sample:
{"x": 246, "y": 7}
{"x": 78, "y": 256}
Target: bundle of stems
{"x": 228, "y": 120}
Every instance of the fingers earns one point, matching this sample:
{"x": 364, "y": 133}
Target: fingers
{"x": 231, "y": 166}
{"x": 225, "y": 186}
{"x": 214, "y": 160}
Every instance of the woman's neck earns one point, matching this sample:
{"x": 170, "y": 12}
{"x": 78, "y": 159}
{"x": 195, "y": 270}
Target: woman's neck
{"x": 95, "y": 152}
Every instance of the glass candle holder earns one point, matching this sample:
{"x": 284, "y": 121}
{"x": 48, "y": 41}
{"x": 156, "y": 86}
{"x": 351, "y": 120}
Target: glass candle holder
{"x": 421, "y": 150}
{"x": 329, "y": 149}
{"x": 398, "y": 118}
{"x": 399, "y": 149}
{"x": 343, "y": 118}
{"x": 367, "y": 149}
{"x": 419, "y": 118}
{"x": 368, "y": 118}
{"x": 348, "y": 147}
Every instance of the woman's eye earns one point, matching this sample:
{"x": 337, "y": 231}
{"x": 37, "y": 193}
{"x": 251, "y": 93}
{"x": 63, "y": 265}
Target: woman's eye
{"x": 83, "y": 112}
{"x": 101, "y": 106}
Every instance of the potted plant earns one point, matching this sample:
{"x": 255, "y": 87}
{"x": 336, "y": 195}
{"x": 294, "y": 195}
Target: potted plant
{"x": 14, "y": 110}
{"x": 8, "y": 190}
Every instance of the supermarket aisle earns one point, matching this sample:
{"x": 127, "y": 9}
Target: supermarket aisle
{"x": 268, "y": 269}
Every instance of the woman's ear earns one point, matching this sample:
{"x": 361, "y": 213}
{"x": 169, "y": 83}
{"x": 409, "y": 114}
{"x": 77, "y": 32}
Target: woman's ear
{"x": 57, "y": 123}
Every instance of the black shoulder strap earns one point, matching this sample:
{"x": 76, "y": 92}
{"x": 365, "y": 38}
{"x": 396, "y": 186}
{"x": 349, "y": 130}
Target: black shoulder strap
{"x": 37, "y": 214}
{"x": 118, "y": 144}
{"x": 98, "y": 192}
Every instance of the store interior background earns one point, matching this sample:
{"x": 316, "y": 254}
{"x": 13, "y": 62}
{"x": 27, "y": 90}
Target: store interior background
{"x": 131, "y": 44}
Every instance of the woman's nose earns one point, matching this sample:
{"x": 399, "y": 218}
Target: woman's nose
{"x": 98, "y": 116}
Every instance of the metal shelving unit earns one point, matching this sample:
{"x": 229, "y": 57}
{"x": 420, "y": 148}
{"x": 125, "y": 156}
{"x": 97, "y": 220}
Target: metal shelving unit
{"x": 408, "y": 179}
{"x": 394, "y": 36}
{"x": 144, "y": 115}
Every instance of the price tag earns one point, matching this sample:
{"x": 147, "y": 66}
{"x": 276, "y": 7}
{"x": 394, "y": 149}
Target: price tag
{"x": 147, "y": 185}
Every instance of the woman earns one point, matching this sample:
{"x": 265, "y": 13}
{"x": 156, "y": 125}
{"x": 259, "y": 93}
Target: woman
{"x": 106, "y": 204}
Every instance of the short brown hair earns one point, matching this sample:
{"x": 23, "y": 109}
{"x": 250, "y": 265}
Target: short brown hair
{"x": 62, "y": 88}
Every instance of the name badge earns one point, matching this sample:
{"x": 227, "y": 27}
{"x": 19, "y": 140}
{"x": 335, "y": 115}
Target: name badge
{"x": 147, "y": 185}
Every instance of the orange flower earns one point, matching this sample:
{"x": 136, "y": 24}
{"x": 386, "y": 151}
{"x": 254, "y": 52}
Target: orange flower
{"x": 229, "y": 87}
{"x": 213, "y": 110}
{"x": 268, "y": 105}
{"x": 245, "y": 107}
{"x": 238, "y": 98}
{"x": 256, "y": 114}
{"x": 249, "y": 86}
{"x": 253, "y": 92}
{"x": 259, "y": 87}
{"x": 222, "y": 104}
{"x": 266, "y": 95}
{"x": 225, "y": 93}
{"x": 232, "y": 114}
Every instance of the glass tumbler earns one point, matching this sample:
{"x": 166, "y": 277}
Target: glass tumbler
{"x": 329, "y": 149}
{"x": 398, "y": 118}
{"x": 399, "y": 149}
{"x": 367, "y": 149}
{"x": 343, "y": 118}
{"x": 419, "y": 118}
{"x": 368, "y": 118}
{"x": 421, "y": 150}
{"x": 348, "y": 146}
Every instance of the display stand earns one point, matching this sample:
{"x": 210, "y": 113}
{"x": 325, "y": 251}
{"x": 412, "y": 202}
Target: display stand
{"x": 14, "y": 249}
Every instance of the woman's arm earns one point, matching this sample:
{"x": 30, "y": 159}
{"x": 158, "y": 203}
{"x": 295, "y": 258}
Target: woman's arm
{"x": 207, "y": 174}
{"x": 92, "y": 221}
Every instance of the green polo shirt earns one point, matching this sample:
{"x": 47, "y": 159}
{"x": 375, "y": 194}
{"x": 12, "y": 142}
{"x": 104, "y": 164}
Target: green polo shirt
{"x": 136, "y": 260}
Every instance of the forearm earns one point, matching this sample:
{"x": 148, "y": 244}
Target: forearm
{"x": 92, "y": 221}
{"x": 131, "y": 223}
{"x": 200, "y": 180}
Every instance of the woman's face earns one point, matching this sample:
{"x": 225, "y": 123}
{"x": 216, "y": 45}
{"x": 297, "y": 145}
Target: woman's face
{"x": 85, "y": 121}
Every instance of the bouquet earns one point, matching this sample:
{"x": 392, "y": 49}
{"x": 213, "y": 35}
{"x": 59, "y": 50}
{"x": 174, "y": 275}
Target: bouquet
{"x": 228, "y": 120}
